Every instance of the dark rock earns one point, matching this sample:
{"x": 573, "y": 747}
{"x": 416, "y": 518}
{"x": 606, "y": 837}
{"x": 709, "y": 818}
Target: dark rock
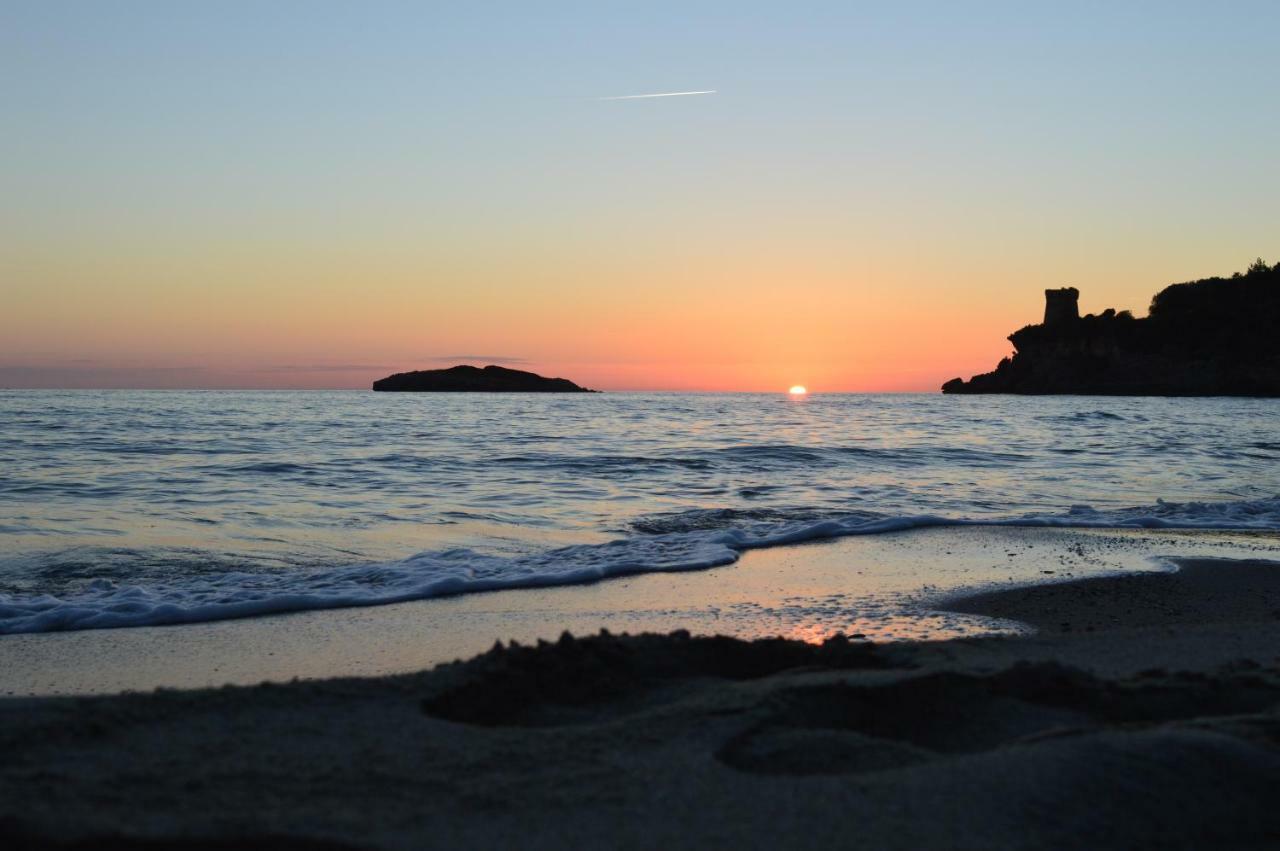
{"x": 1212, "y": 337}
{"x": 473, "y": 379}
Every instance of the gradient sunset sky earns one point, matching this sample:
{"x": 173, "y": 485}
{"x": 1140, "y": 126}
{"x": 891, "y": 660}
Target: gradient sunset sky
{"x": 283, "y": 194}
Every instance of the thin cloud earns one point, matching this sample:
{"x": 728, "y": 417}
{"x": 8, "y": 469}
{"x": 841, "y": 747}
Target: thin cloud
{"x": 485, "y": 358}
{"x": 659, "y": 95}
{"x": 57, "y": 369}
{"x": 323, "y": 367}
{"x": 63, "y": 377}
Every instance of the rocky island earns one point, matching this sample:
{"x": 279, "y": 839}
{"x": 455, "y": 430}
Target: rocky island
{"x": 474, "y": 379}
{"x": 1211, "y": 337}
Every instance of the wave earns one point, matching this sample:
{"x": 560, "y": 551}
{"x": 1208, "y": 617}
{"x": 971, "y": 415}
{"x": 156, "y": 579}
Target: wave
{"x": 269, "y": 468}
{"x": 687, "y": 540}
{"x": 1081, "y": 417}
{"x": 599, "y": 465}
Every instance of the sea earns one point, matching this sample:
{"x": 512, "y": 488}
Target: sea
{"x": 131, "y": 508}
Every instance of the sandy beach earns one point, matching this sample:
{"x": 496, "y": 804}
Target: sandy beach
{"x": 1133, "y": 709}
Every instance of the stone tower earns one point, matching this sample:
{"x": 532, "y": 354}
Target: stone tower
{"x": 1061, "y": 306}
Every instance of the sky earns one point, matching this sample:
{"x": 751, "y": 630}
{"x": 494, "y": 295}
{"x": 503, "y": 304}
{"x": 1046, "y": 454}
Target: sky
{"x": 873, "y": 197}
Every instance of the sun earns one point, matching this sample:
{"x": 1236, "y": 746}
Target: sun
{"x": 798, "y": 390}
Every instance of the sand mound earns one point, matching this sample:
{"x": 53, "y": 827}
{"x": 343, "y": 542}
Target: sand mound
{"x": 576, "y": 680}
{"x": 845, "y": 728}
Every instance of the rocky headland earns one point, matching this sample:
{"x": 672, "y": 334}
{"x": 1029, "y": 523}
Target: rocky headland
{"x": 474, "y": 379}
{"x": 1211, "y": 337}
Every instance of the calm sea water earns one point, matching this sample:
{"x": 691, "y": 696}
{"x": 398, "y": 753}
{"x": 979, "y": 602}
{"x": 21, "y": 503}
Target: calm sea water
{"x": 125, "y": 508}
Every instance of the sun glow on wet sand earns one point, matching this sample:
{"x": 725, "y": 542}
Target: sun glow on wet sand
{"x": 798, "y": 390}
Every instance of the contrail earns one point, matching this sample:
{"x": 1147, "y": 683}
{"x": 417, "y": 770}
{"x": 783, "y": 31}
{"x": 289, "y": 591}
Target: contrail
{"x": 659, "y": 95}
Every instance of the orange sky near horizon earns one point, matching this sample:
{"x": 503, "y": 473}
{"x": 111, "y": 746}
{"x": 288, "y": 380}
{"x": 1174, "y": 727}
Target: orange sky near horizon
{"x": 758, "y": 324}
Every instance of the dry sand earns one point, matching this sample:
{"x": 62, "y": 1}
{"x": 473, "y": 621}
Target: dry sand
{"x": 1157, "y": 729}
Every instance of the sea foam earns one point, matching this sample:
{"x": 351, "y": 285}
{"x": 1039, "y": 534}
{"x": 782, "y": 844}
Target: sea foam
{"x": 689, "y": 540}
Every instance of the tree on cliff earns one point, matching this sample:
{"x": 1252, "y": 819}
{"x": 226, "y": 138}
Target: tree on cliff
{"x": 1257, "y": 267}
{"x": 1222, "y": 301}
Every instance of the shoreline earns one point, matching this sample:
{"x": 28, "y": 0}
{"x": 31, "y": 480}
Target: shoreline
{"x": 883, "y": 587}
{"x": 1163, "y": 734}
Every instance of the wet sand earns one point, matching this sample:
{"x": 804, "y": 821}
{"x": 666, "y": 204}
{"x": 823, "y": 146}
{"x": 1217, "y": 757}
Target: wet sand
{"x": 1159, "y": 728}
{"x": 1194, "y": 595}
{"x": 882, "y": 587}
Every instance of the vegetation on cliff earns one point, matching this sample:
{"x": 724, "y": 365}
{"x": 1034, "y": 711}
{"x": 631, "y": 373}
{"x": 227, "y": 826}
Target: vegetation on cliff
{"x": 1215, "y": 336}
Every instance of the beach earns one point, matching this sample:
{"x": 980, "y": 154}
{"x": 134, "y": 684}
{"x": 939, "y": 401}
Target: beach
{"x": 1125, "y": 707}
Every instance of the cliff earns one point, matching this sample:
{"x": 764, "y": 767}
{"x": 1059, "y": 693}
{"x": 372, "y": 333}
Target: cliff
{"x": 1212, "y": 337}
{"x": 473, "y": 379}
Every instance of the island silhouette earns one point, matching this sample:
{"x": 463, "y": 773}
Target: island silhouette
{"x": 473, "y": 379}
{"x": 1211, "y": 337}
